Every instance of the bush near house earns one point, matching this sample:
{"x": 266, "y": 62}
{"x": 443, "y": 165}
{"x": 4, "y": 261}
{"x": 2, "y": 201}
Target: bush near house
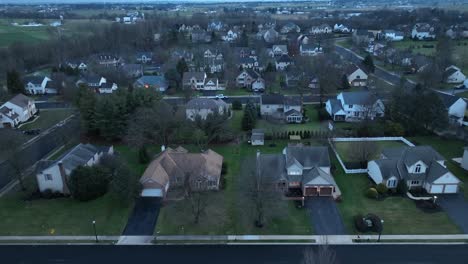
{"x": 372, "y": 193}
{"x": 381, "y": 188}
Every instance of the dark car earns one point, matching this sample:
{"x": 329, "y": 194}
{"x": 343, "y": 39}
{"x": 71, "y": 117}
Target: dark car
{"x": 32, "y": 132}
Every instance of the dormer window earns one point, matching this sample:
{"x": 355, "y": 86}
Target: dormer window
{"x": 418, "y": 168}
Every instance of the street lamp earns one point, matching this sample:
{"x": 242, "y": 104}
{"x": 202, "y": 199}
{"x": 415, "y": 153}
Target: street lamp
{"x": 95, "y": 233}
{"x": 381, "y": 229}
{"x": 435, "y": 198}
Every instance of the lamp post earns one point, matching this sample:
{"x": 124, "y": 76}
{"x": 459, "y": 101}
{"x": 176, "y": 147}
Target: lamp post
{"x": 435, "y": 199}
{"x": 381, "y": 229}
{"x": 95, "y": 233}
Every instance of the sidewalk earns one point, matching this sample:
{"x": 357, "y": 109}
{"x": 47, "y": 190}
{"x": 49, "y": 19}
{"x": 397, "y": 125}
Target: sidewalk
{"x": 244, "y": 239}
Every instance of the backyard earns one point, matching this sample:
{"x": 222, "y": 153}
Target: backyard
{"x": 48, "y": 118}
{"x": 312, "y": 124}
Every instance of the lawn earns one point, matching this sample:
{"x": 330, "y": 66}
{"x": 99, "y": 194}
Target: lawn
{"x": 464, "y": 94}
{"x": 10, "y": 34}
{"x": 227, "y": 212}
{"x": 449, "y": 148}
{"x": 427, "y": 48}
{"x": 48, "y": 118}
{"x": 345, "y": 149}
{"x": 235, "y": 92}
{"x": 62, "y": 216}
{"x": 400, "y": 214}
{"x": 313, "y": 123}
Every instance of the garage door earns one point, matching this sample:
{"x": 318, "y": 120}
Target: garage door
{"x": 152, "y": 193}
{"x": 311, "y": 191}
{"x": 326, "y": 191}
{"x": 437, "y": 188}
{"x": 451, "y": 188}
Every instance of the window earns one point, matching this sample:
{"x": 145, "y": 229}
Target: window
{"x": 356, "y": 114}
{"x": 418, "y": 168}
{"x": 391, "y": 183}
{"x": 48, "y": 177}
{"x": 414, "y": 182}
{"x": 350, "y": 106}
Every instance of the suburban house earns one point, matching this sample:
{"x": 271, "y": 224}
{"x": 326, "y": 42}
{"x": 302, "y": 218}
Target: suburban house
{"x": 362, "y": 36}
{"x": 202, "y": 107}
{"x": 174, "y": 168}
{"x": 283, "y": 62}
{"x": 393, "y": 35}
{"x": 423, "y": 31}
{"x": 98, "y": 83}
{"x": 194, "y": 80}
{"x": 310, "y": 49}
{"x": 322, "y": 29}
{"x": 300, "y": 171}
{"x": 290, "y": 27}
{"x": 248, "y": 63}
{"x": 39, "y": 85}
{"x": 246, "y": 78}
{"x": 257, "y": 138}
{"x": 356, "y": 76}
{"x": 214, "y": 61}
{"x": 453, "y": 74}
{"x": 417, "y": 167}
{"x": 456, "y": 107}
{"x": 464, "y": 161}
{"x": 340, "y": 28}
{"x": 355, "y": 106}
{"x": 144, "y": 57}
{"x": 258, "y": 85}
{"x": 53, "y": 174}
{"x": 132, "y": 70}
{"x": 77, "y": 64}
{"x": 230, "y": 36}
{"x": 278, "y": 50}
{"x": 215, "y": 26}
{"x": 153, "y": 82}
{"x": 277, "y": 106}
{"x": 200, "y": 36}
{"x": 17, "y": 110}
{"x": 108, "y": 60}
{"x": 269, "y": 35}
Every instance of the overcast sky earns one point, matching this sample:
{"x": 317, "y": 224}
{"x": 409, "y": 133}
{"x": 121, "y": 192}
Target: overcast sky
{"x": 128, "y": 1}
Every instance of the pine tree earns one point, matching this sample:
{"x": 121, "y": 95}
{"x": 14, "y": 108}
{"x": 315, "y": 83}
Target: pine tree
{"x": 368, "y": 62}
{"x": 14, "y": 83}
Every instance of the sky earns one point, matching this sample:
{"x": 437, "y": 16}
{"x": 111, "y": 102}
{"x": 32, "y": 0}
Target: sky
{"x": 127, "y": 1}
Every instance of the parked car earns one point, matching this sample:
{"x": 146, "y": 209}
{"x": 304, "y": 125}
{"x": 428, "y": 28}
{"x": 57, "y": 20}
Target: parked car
{"x": 32, "y": 132}
{"x": 221, "y": 96}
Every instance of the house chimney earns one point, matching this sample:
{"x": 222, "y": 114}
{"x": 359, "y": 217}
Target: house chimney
{"x": 63, "y": 176}
{"x": 163, "y": 148}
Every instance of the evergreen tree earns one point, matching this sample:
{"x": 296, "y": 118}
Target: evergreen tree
{"x": 86, "y": 103}
{"x": 344, "y": 82}
{"x": 368, "y": 62}
{"x": 14, "y": 83}
{"x": 181, "y": 67}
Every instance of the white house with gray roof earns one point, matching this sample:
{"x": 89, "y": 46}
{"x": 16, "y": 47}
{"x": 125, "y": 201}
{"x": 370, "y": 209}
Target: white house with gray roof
{"x": 417, "y": 167}
{"x": 456, "y": 107}
{"x": 278, "y": 106}
{"x": 17, "y": 110}
{"x": 300, "y": 171}
{"x": 39, "y": 85}
{"x": 202, "y": 107}
{"x": 53, "y": 174}
{"x": 355, "y": 106}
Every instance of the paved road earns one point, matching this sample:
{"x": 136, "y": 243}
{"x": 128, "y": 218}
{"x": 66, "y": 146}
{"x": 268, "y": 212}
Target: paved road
{"x": 39, "y": 148}
{"x": 325, "y": 216}
{"x": 456, "y": 207}
{"x": 220, "y": 254}
{"x": 144, "y": 217}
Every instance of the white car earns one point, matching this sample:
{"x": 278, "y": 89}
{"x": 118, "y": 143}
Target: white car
{"x": 221, "y": 96}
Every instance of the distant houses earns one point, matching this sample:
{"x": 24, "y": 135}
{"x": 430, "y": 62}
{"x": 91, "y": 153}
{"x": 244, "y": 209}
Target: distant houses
{"x": 152, "y": 82}
{"x": 40, "y": 85}
{"x": 423, "y": 31}
{"x": 355, "y": 106}
{"x": 280, "y": 107}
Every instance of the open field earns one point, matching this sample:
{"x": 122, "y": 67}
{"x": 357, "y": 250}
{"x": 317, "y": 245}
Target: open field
{"x": 48, "y": 118}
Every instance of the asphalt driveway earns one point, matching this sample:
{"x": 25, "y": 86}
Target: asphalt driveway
{"x": 456, "y": 207}
{"x": 144, "y": 217}
{"x": 325, "y": 216}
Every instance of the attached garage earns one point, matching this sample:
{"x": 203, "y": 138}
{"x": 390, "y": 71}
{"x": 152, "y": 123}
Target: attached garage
{"x": 437, "y": 188}
{"x": 318, "y": 191}
{"x": 326, "y": 191}
{"x": 447, "y": 183}
{"x": 451, "y": 188}
{"x": 444, "y": 188}
{"x": 310, "y": 191}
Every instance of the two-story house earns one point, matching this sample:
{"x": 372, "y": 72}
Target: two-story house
{"x": 299, "y": 171}
{"x": 456, "y": 107}
{"x": 393, "y": 35}
{"x": 246, "y": 78}
{"x": 453, "y": 74}
{"x": 278, "y": 106}
{"x": 202, "y": 107}
{"x": 423, "y": 31}
{"x": 39, "y": 85}
{"x": 194, "y": 80}
{"x": 417, "y": 167}
{"x": 54, "y": 175}
{"x": 355, "y": 106}
{"x": 356, "y": 76}
{"x": 17, "y": 110}
{"x": 283, "y": 62}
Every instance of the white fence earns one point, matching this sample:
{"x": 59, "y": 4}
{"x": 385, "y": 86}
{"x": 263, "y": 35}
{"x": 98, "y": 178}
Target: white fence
{"x": 356, "y": 171}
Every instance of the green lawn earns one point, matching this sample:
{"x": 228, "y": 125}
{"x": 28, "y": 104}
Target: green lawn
{"x": 63, "y": 216}
{"x": 236, "y": 121}
{"x": 416, "y": 46}
{"x": 10, "y": 34}
{"x": 48, "y": 118}
{"x": 345, "y": 149}
{"x": 464, "y": 94}
{"x": 400, "y": 214}
{"x": 345, "y": 43}
{"x": 449, "y": 148}
{"x": 229, "y": 213}
{"x": 236, "y": 91}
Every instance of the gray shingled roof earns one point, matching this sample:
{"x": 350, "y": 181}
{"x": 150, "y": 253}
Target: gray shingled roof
{"x": 335, "y": 105}
{"x": 20, "y": 100}
{"x": 272, "y": 99}
{"x": 448, "y": 99}
{"x": 292, "y": 101}
{"x": 36, "y": 80}
{"x": 388, "y": 168}
{"x": 205, "y": 103}
{"x": 308, "y": 156}
{"x": 359, "y": 98}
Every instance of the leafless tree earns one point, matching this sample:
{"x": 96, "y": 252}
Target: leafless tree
{"x": 11, "y": 142}
{"x": 363, "y": 151}
{"x": 323, "y": 254}
{"x": 194, "y": 186}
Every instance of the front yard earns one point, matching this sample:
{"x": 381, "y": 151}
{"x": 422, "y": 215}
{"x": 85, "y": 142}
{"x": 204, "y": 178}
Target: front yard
{"x": 61, "y": 216}
{"x": 48, "y": 118}
{"x": 400, "y": 214}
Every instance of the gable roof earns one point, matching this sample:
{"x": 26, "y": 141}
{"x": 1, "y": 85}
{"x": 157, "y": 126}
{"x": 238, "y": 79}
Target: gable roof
{"x": 20, "y": 100}
{"x": 272, "y": 99}
{"x": 352, "y": 68}
{"x": 151, "y": 80}
{"x": 307, "y": 156}
{"x": 284, "y": 59}
{"x": 335, "y": 105}
{"x": 205, "y": 103}
{"x": 36, "y": 80}
{"x": 358, "y": 98}
{"x": 447, "y": 99}
{"x": 197, "y": 75}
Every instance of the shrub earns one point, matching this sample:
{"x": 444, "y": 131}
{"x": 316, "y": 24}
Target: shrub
{"x": 372, "y": 193}
{"x": 381, "y": 188}
{"x": 360, "y": 224}
{"x": 47, "y": 194}
{"x": 376, "y": 222}
{"x": 236, "y": 105}
{"x": 224, "y": 168}
{"x": 402, "y": 188}
{"x": 88, "y": 183}
{"x": 143, "y": 156}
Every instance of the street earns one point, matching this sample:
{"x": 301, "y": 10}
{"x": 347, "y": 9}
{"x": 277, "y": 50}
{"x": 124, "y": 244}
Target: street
{"x": 235, "y": 254}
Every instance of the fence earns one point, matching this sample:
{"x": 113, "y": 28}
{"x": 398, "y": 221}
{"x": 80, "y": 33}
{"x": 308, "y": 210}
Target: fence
{"x": 356, "y": 171}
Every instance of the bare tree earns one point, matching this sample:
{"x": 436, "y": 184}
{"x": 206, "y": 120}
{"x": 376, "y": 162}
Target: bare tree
{"x": 323, "y": 254}
{"x": 11, "y": 142}
{"x": 194, "y": 184}
{"x": 363, "y": 151}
